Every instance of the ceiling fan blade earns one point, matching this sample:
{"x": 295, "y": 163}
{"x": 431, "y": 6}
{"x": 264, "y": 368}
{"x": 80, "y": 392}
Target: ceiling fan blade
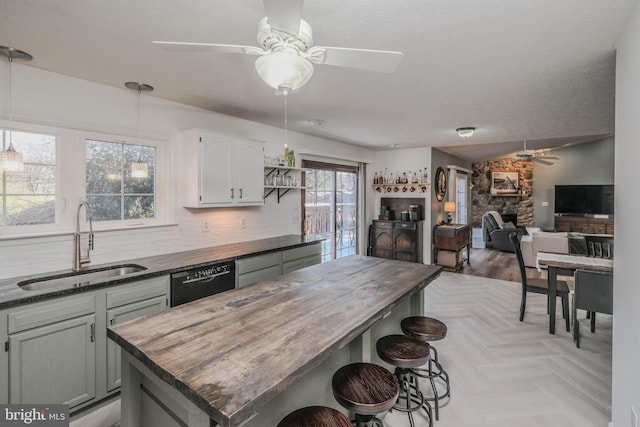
{"x": 541, "y": 161}
{"x": 202, "y": 47}
{"x": 381, "y": 61}
{"x": 548, "y": 157}
{"x": 284, "y": 15}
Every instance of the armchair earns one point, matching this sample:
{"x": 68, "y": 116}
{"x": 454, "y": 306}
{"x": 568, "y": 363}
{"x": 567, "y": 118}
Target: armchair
{"x": 497, "y": 232}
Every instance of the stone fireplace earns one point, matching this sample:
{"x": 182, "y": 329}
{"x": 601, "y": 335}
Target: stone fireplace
{"x": 520, "y": 205}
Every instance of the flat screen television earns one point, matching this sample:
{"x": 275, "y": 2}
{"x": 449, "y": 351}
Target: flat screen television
{"x": 584, "y": 199}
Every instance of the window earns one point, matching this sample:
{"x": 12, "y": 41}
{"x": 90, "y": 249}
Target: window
{"x": 29, "y": 197}
{"x": 113, "y": 193}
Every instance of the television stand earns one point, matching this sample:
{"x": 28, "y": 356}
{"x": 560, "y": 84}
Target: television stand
{"x": 583, "y": 224}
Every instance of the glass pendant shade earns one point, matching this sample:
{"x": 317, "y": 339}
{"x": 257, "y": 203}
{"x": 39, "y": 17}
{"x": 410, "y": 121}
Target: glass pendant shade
{"x": 139, "y": 170}
{"x": 284, "y": 71}
{"x": 11, "y": 160}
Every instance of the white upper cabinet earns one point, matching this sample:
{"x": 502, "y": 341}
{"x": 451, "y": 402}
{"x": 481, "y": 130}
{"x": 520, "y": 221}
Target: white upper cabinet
{"x": 221, "y": 170}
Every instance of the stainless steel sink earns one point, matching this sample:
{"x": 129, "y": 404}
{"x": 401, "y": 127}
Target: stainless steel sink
{"x": 77, "y": 279}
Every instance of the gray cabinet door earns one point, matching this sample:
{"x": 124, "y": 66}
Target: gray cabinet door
{"x": 123, "y": 314}
{"x": 54, "y": 363}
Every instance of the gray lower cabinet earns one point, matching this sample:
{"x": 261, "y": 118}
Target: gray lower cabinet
{"x": 123, "y": 314}
{"x": 57, "y": 350}
{"x": 52, "y": 352}
{"x": 295, "y": 259}
{"x": 125, "y": 303}
{"x": 257, "y": 268}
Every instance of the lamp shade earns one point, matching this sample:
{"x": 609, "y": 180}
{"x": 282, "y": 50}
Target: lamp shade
{"x": 450, "y": 207}
{"x": 284, "y": 71}
{"x": 11, "y": 160}
{"x": 139, "y": 169}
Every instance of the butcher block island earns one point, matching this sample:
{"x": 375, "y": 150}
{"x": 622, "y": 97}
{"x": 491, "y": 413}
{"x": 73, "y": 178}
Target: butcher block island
{"x": 249, "y": 356}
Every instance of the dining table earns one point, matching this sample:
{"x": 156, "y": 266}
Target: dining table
{"x": 565, "y": 265}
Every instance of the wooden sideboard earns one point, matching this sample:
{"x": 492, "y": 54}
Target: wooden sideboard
{"x": 450, "y": 240}
{"x": 399, "y": 240}
{"x": 581, "y": 224}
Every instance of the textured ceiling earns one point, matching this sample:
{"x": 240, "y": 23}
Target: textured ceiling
{"x": 539, "y": 70}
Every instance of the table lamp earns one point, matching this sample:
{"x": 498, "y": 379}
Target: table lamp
{"x": 449, "y": 208}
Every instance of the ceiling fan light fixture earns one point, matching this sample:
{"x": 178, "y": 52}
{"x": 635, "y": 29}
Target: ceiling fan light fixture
{"x": 284, "y": 71}
{"x": 466, "y": 132}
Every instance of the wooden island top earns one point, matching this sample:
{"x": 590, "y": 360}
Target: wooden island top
{"x": 231, "y": 353}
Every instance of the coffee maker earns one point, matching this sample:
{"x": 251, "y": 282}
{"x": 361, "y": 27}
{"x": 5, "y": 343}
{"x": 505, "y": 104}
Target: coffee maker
{"x": 414, "y": 213}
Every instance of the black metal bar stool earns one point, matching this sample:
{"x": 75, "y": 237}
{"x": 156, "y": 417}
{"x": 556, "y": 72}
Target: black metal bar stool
{"x": 366, "y": 389}
{"x": 428, "y": 329}
{"x": 406, "y": 353}
{"x": 315, "y": 416}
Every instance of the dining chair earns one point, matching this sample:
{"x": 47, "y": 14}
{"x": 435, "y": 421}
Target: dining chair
{"x": 593, "y": 292}
{"x": 537, "y": 285}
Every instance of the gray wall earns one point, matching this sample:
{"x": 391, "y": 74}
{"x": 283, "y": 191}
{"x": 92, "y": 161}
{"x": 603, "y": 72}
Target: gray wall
{"x": 626, "y": 294}
{"x": 588, "y": 163}
{"x": 441, "y": 159}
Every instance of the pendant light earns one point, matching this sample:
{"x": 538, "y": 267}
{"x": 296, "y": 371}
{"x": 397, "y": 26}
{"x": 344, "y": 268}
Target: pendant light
{"x": 139, "y": 169}
{"x": 10, "y": 159}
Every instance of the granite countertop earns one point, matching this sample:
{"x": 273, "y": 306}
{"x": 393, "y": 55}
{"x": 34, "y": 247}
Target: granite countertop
{"x": 11, "y": 294}
{"x": 225, "y": 352}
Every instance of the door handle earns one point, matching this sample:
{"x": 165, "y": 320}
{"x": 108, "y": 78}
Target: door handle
{"x": 241, "y": 193}
{"x": 232, "y": 193}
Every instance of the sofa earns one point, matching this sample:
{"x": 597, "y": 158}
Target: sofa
{"x": 595, "y": 245}
{"x": 542, "y": 241}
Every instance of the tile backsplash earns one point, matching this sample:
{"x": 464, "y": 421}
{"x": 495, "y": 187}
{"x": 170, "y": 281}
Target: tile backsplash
{"x": 196, "y": 228}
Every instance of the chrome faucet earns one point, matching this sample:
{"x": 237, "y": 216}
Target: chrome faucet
{"x": 78, "y": 259}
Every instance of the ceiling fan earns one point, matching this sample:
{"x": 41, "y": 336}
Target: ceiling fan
{"x": 534, "y": 155}
{"x": 286, "y": 53}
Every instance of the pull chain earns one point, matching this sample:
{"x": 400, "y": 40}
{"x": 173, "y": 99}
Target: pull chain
{"x": 285, "y": 122}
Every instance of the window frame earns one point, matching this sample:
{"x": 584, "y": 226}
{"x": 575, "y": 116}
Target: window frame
{"x": 71, "y": 180}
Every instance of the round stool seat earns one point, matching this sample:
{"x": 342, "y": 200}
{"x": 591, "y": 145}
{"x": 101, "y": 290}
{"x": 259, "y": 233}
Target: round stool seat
{"x": 315, "y": 416}
{"x": 365, "y": 388}
{"x": 424, "y": 328}
{"x": 403, "y": 351}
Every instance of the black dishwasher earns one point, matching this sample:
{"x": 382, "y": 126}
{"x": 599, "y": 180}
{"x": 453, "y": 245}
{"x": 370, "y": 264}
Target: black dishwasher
{"x": 201, "y": 282}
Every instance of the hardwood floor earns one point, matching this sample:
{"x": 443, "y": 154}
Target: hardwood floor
{"x": 497, "y": 264}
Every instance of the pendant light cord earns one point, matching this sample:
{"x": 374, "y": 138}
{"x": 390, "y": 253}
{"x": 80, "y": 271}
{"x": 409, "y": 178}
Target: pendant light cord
{"x": 9, "y": 103}
{"x": 138, "y": 122}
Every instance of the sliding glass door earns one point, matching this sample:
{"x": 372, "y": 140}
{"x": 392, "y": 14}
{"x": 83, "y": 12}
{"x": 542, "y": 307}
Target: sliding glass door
{"x": 330, "y": 207}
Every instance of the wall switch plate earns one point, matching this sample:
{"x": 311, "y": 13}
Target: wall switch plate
{"x": 545, "y": 204}
{"x": 204, "y": 226}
